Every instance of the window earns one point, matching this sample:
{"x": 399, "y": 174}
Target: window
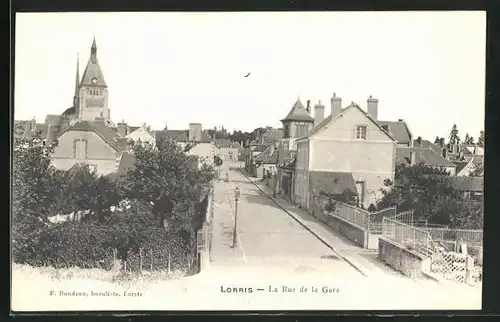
{"x": 80, "y": 151}
{"x": 286, "y": 131}
{"x": 361, "y": 132}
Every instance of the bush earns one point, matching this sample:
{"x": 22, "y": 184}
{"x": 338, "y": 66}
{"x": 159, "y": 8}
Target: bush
{"x": 74, "y": 244}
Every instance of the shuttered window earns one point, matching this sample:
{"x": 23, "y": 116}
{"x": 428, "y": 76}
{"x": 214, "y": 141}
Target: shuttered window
{"x": 80, "y": 149}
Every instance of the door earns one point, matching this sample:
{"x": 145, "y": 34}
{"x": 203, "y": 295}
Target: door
{"x": 360, "y": 187}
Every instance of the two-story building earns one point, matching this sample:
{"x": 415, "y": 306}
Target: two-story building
{"x": 297, "y": 123}
{"x": 347, "y": 151}
{"x": 228, "y": 150}
{"x": 200, "y": 143}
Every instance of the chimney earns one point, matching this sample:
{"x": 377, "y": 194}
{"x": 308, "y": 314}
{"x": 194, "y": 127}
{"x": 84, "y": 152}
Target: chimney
{"x": 125, "y": 144}
{"x": 194, "y": 131}
{"x": 33, "y": 125}
{"x": 445, "y": 153}
{"x": 122, "y": 128}
{"x": 412, "y": 157}
{"x": 419, "y": 142}
{"x": 336, "y": 105}
{"x": 65, "y": 123}
{"x": 52, "y": 133}
{"x": 372, "y": 107}
{"x": 319, "y": 113}
{"x": 308, "y": 107}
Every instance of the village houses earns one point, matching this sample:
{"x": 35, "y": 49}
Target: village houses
{"x": 86, "y": 133}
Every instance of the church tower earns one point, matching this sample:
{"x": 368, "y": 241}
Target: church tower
{"x": 93, "y": 92}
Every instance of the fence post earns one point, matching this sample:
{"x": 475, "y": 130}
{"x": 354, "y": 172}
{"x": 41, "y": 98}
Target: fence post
{"x": 151, "y": 256}
{"x": 140, "y": 260}
{"x": 168, "y": 263}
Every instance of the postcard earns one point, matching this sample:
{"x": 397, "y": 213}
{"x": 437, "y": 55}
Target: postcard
{"x": 248, "y": 161}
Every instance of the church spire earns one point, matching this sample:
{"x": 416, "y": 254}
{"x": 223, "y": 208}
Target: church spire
{"x": 92, "y": 75}
{"x": 77, "y": 81}
{"x": 93, "y": 49}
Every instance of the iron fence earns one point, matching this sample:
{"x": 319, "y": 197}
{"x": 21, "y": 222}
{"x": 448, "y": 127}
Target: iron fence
{"x": 413, "y": 238}
{"x": 468, "y": 236}
{"x": 375, "y": 219}
{"x": 353, "y": 214}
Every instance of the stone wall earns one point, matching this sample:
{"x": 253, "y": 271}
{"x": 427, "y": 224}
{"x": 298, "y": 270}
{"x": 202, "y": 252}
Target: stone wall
{"x": 353, "y": 232}
{"x": 402, "y": 259}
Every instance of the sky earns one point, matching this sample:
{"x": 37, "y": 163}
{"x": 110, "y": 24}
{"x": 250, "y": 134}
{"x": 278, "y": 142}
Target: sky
{"x": 427, "y": 68}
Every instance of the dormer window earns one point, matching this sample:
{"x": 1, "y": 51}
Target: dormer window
{"x": 361, "y": 132}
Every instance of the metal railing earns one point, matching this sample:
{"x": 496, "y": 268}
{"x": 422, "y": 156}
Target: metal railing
{"x": 375, "y": 219}
{"x": 412, "y": 237}
{"x": 353, "y": 214}
{"x": 468, "y": 236}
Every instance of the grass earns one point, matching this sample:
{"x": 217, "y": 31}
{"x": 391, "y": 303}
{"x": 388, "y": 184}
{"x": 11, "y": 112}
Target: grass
{"x": 115, "y": 275}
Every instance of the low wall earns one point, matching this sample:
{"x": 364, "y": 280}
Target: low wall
{"x": 204, "y": 254}
{"x": 353, "y": 232}
{"x": 402, "y": 259}
{"x": 373, "y": 240}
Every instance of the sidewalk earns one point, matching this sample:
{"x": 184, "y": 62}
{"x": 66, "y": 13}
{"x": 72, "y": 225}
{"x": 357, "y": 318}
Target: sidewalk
{"x": 221, "y": 252}
{"x": 363, "y": 260}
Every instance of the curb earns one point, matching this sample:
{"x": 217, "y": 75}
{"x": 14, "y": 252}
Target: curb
{"x": 349, "y": 261}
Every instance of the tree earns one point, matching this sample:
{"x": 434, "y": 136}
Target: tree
{"x": 436, "y": 141}
{"x": 33, "y": 182}
{"x": 466, "y": 139}
{"x": 166, "y": 177}
{"x": 430, "y": 193}
{"x": 32, "y": 175}
{"x": 480, "y": 140}
{"x": 454, "y": 138}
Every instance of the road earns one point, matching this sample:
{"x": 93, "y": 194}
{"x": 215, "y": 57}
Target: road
{"x": 267, "y": 237}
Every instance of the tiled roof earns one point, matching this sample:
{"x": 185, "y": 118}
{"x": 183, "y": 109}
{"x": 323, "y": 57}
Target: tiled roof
{"x": 328, "y": 119}
{"x": 428, "y": 145}
{"x": 477, "y": 160}
{"x": 107, "y": 134}
{"x": 127, "y": 162}
{"x": 468, "y": 183}
{"x": 272, "y": 135}
{"x": 331, "y": 182}
{"x": 180, "y": 135}
{"x": 460, "y": 165}
{"x": 52, "y": 119}
{"x": 260, "y": 148}
{"x": 267, "y": 157}
{"x": 69, "y": 111}
{"x": 298, "y": 113}
{"x": 399, "y": 130}
{"x": 428, "y": 156}
{"x": 226, "y": 143}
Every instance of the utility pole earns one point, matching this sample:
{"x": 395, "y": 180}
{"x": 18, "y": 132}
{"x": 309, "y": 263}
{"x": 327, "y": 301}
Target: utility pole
{"x": 236, "y": 196}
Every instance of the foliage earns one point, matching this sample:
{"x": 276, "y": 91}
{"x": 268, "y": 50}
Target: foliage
{"x": 81, "y": 188}
{"x": 372, "y": 208}
{"x": 430, "y": 193}
{"x": 348, "y": 197}
{"x": 480, "y": 140}
{"x": 454, "y": 138}
{"x": 469, "y": 140}
{"x": 73, "y": 244}
{"x": 33, "y": 179}
{"x": 217, "y": 161}
{"x": 166, "y": 183}
{"x": 167, "y": 178}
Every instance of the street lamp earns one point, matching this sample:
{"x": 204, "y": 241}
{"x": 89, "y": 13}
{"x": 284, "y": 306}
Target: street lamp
{"x": 236, "y": 197}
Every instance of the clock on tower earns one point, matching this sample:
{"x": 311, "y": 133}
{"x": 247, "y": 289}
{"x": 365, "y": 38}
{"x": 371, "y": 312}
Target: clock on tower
{"x": 94, "y": 80}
